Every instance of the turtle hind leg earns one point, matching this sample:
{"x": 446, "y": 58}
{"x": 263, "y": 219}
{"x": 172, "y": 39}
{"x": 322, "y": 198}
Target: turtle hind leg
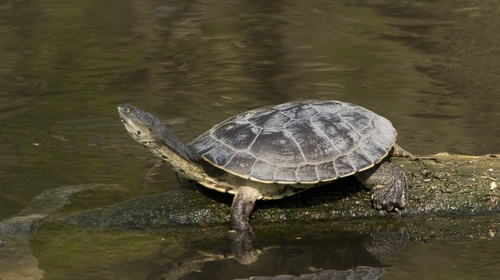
{"x": 388, "y": 185}
{"x": 242, "y": 207}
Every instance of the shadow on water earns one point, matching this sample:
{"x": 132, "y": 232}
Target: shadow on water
{"x": 353, "y": 256}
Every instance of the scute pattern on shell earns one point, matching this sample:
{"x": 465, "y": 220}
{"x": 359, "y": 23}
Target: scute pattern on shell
{"x": 298, "y": 142}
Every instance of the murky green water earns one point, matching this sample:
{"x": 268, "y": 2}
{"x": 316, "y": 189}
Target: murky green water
{"x": 431, "y": 67}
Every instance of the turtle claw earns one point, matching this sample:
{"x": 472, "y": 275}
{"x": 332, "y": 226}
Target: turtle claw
{"x": 388, "y": 208}
{"x": 388, "y": 199}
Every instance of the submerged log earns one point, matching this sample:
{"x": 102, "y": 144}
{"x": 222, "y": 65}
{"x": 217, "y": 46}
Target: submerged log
{"x": 443, "y": 186}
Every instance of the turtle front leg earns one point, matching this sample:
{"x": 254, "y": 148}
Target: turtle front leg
{"x": 242, "y": 207}
{"x": 388, "y": 185}
{"x": 242, "y": 236}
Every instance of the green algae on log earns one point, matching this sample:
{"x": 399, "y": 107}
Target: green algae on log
{"x": 447, "y": 185}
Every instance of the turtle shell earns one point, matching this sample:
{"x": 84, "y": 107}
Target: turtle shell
{"x": 298, "y": 142}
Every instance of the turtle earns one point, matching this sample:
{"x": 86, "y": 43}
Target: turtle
{"x": 277, "y": 151}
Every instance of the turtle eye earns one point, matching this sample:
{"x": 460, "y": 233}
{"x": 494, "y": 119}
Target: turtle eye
{"x": 138, "y": 132}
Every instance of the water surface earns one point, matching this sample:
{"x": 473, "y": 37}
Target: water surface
{"x": 430, "y": 67}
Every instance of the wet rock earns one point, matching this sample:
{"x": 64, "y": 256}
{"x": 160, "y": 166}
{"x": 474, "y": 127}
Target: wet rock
{"x": 16, "y": 258}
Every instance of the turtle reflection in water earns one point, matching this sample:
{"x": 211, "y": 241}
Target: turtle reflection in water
{"x": 274, "y": 152}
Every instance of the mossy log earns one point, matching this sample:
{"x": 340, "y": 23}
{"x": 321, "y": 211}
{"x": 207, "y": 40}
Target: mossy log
{"x": 443, "y": 186}
{"x": 451, "y": 197}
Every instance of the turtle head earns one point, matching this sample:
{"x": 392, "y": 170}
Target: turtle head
{"x": 152, "y": 133}
{"x": 142, "y": 126}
